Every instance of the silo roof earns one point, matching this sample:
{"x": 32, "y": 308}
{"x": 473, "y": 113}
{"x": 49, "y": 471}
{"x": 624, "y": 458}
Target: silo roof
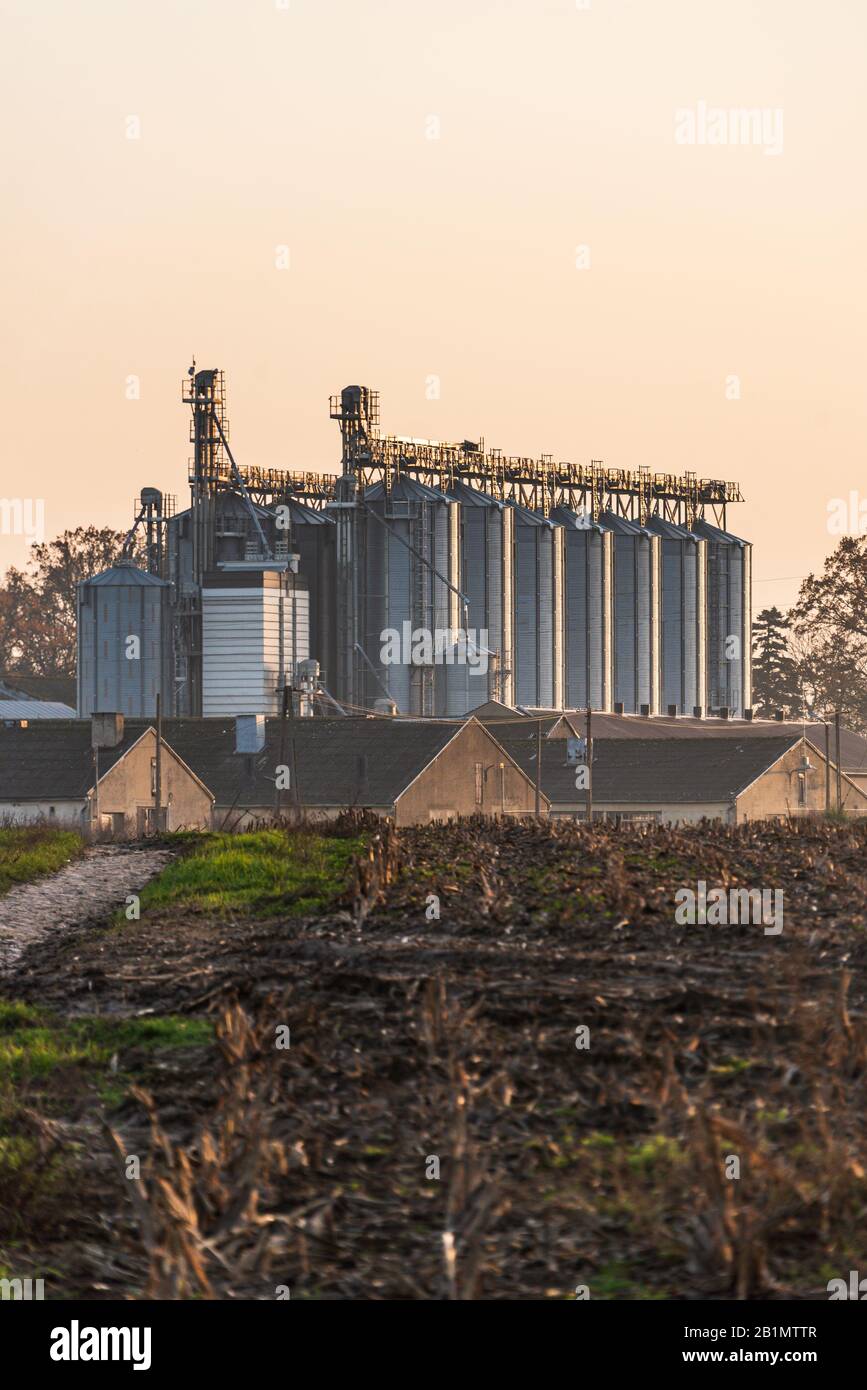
{"x": 129, "y": 576}
{"x": 621, "y": 525}
{"x": 659, "y": 526}
{"x": 707, "y": 532}
{"x": 567, "y": 516}
{"x": 404, "y": 489}
{"x": 472, "y": 496}
{"x": 528, "y": 518}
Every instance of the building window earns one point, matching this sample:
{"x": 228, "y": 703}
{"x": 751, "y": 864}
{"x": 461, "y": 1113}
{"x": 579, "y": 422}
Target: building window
{"x": 802, "y": 789}
{"x": 153, "y": 776}
{"x": 479, "y": 783}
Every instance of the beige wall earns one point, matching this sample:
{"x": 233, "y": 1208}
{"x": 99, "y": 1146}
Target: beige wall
{"x": 126, "y": 787}
{"x": 775, "y": 793}
{"x": 447, "y": 787}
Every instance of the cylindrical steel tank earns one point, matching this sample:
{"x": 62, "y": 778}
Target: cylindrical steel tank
{"x": 729, "y": 619}
{"x": 682, "y": 639}
{"x": 405, "y": 604}
{"x": 538, "y": 604}
{"x": 124, "y": 643}
{"x": 635, "y": 595}
{"x": 486, "y": 579}
{"x": 311, "y": 535}
{"x": 586, "y": 611}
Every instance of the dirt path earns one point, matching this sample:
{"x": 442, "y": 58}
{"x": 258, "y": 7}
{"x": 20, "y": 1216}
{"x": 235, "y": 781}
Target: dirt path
{"x": 88, "y": 888}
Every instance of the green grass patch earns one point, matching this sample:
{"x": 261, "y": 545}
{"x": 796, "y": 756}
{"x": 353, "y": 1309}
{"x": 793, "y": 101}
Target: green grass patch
{"x": 28, "y": 852}
{"x": 262, "y": 873}
{"x": 34, "y": 1046}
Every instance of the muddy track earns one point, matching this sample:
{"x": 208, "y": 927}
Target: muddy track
{"x": 84, "y": 891}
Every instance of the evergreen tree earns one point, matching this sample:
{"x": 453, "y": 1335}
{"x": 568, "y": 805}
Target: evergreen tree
{"x": 776, "y": 684}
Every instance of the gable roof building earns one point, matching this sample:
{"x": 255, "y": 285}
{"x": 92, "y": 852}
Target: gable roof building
{"x": 411, "y": 770}
{"x": 50, "y": 771}
{"x": 683, "y": 779}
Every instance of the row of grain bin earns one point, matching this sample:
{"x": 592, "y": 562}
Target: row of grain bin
{"x": 561, "y": 612}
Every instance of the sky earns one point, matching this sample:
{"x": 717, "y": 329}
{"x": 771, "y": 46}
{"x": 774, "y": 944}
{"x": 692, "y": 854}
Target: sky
{"x": 540, "y": 222}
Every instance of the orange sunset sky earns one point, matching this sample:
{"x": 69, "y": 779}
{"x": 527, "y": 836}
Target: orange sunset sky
{"x": 308, "y": 126}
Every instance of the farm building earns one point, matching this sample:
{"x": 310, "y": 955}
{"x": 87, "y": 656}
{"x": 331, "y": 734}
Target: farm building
{"x": 414, "y": 771}
{"x": 87, "y": 775}
{"x": 674, "y": 781}
{"x": 227, "y": 772}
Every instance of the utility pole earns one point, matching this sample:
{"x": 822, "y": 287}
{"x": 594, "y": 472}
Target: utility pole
{"x": 827, "y": 766}
{"x": 158, "y": 778}
{"x": 281, "y": 761}
{"x": 539, "y": 768}
{"x": 837, "y": 758}
{"x": 589, "y": 764}
{"x": 287, "y": 713}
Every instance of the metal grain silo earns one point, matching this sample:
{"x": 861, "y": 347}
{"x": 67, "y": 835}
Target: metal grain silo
{"x": 405, "y": 599}
{"x": 124, "y": 643}
{"x": 311, "y": 534}
{"x": 586, "y": 611}
{"x": 486, "y": 579}
{"x": 538, "y": 602}
{"x": 682, "y": 639}
{"x": 635, "y": 602}
{"x": 729, "y": 619}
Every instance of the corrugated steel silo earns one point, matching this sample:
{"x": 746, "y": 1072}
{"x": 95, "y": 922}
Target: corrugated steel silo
{"x": 538, "y": 571}
{"x": 682, "y": 638}
{"x": 635, "y": 595}
{"x": 311, "y": 534}
{"x": 486, "y": 578}
{"x": 124, "y": 642}
{"x": 406, "y": 545}
{"x": 729, "y": 619}
{"x": 586, "y": 611}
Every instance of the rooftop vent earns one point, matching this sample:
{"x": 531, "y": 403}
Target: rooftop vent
{"x": 249, "y": 733}
{"x": 106, "y": 730}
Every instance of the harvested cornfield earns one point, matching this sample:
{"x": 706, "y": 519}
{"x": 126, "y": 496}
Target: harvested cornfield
{"x": 500, "y": 1067}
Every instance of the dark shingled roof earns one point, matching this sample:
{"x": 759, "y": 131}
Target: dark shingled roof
{"x": 652, "y": 771}
{"x": 853, "y": 747}
{"x": 327, "y": 753}
{"x": 53, "y": 760}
